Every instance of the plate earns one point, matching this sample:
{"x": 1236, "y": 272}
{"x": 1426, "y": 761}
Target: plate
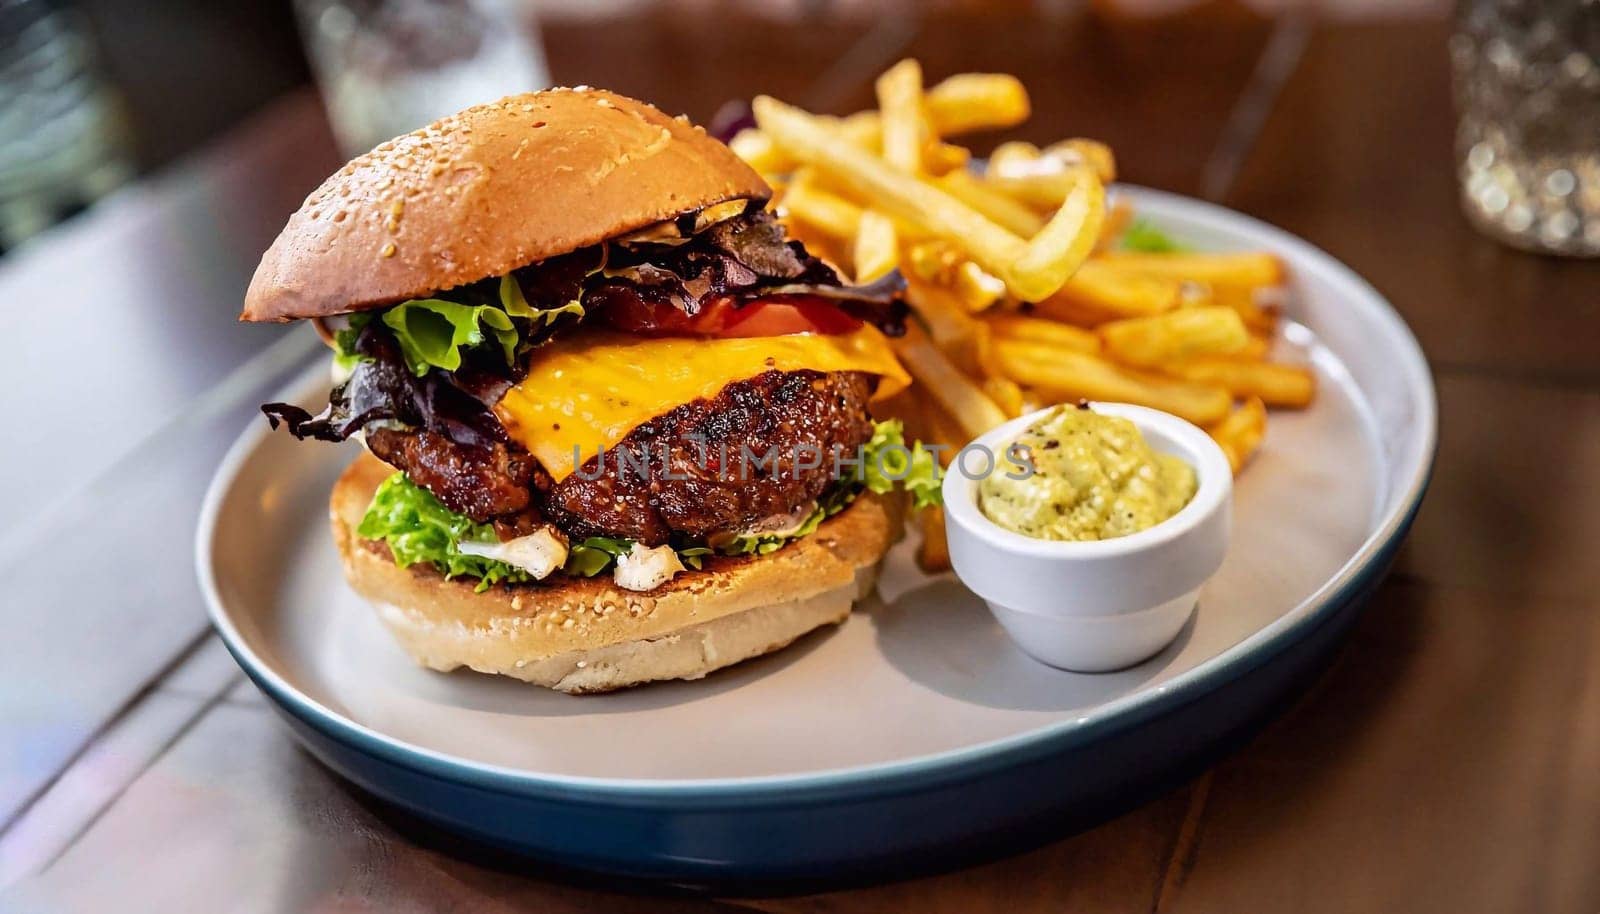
{"x": 915, "y": 734}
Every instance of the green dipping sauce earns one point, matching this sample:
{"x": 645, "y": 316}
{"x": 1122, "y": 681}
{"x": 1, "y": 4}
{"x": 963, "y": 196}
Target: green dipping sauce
{"x": 1094, "y": 478}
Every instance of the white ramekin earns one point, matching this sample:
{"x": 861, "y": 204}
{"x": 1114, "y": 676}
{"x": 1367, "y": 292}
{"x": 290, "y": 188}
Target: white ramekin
{"x": 1095, "y": 606}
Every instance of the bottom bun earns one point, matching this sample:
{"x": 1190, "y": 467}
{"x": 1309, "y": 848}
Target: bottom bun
{"x": 588, "y": 635}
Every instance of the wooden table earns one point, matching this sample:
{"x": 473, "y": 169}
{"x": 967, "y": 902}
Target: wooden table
{"x": 1449, "y": 761}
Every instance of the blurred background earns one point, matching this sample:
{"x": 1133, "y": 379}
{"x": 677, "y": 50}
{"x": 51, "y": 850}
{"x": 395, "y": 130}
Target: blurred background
{"x": 98, "y": 92}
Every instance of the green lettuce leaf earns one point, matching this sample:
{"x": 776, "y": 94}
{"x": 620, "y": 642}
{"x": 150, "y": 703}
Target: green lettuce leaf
{"x": 344, "y": 341}
{"x": 418, "y": 528}
{"x": 432, "y": 332}
{"x": 595, "y": 554}
{"x": 512, "y": 299}
{"x": 1145, "y": 238}
{"x": 693, "y": 557}
{"x": 516, "y": 304}
{"x": 887, "y": 461}
{"x": 832, "y": 502}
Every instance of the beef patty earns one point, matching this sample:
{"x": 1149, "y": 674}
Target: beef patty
{"x": 481, "y": 482}
{"x": 759, "y": 448}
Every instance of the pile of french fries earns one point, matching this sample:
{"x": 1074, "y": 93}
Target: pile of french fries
{"x": 1023, "y": 291}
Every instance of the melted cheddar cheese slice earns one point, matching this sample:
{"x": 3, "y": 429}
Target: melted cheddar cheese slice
{"x": 583, "y": 395}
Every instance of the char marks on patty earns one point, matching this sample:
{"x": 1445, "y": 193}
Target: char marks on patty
{"x": 706, "y": 483}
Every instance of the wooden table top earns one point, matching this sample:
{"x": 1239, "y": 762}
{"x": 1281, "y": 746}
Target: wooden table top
{"x": 1448, "y": 761}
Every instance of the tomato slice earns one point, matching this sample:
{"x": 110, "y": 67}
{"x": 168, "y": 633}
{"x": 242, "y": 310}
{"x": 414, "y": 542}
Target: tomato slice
{"x": 781, "y": 317}
{"x": 722, "y": 317}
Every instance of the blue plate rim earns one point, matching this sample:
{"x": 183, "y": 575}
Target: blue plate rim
{"x": 1361, "y": 570}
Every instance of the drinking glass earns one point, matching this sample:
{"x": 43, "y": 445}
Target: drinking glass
{"x": 1527, "y": 83}
{"x": 63, "y": 142}
{"x": 386, "y": 67}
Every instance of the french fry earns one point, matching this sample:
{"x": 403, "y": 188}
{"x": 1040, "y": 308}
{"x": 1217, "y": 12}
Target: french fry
{"x": 877, "y": 251}
{"x": 831, "y": 214}
{"x": 1006, "y": 212}
{"x": 900, "y": 113}
{"x": 955, "y": 331}
{"x": 978, "y": 290}
{"x": 758, "y": 150}
{"x": 933, "y": 552}
{"x": 905, "y": 405}
{"x": 1149, "y": 342}
{"x": 1046, "y": 332}
{"x": 1275, "y": 383}
{"x": 1240, "y": 434}
{"x": 1038, "y": 191}
{"x": 863, "y": 129}
{"x": 1006, "y": 394}
{"x": 1066, "y": 375}
{"x": 1098, "y": 293}
{"x": 1255, "y": 349}
{"x": 940, "y": 264}
{"x": 932, "y": 260}
{"x": 944, "y": 431}
{"x": 812, "y": 179}
{"x": 987, "y": 367}
{"x": 809, "y": 140}
{"x": 1244, "y": 301}
{"x": 1013, "y": 158}
{"x": 1188, "y": 333}
{"x": 944, "y": 382}
{"x": 1077, "y": 151}
{"x": 977, "y": 101}
{"x": 960, "y": 104}
{"x": 1055, "y": 254}
{"x": 1042, "y": 190}
{"x": 1245, "y": 268}
{"x": 1031, "y": 269}
{"x": 939, "y": 158}
{"x": 1044, "y": 179}
{"x": 828, "y": 248}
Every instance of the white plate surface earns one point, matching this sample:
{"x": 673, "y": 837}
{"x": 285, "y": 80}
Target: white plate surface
{"x": 919, "y": 671}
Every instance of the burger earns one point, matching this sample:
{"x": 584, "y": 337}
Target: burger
{"x": 617, "y": 425}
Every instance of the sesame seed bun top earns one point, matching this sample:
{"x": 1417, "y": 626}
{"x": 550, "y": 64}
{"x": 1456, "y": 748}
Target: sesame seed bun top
{"x": 482, "y": 192}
